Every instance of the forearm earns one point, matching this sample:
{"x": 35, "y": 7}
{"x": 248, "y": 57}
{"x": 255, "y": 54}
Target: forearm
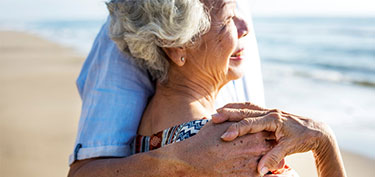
{"x": 328, "y": 159}
{"x": 161, "y": 162}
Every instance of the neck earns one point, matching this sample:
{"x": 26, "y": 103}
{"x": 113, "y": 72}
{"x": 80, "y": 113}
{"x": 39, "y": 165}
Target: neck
{"x": 178, "y": 101}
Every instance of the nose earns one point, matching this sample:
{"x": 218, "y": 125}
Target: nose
{"x": 242, "y": 26}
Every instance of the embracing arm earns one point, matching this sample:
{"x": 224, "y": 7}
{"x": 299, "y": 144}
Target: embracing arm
{"x": 204, "y": 154}
{"x": 161, "y": 162}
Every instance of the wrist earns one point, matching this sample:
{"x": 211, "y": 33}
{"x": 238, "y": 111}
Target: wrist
{"x": 175, "y": 158}
{"x": 327, "y": 155}
{"x": 325, "y": 139}
{"x": 192, "y": 159}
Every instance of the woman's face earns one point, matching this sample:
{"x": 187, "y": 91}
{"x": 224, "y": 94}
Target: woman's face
{"x": 219, "y": 54}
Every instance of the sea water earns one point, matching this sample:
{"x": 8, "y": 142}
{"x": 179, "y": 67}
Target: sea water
{"x": 323, "y": 68}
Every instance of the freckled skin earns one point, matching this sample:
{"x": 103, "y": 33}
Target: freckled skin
{"x": 245, "y": 153}
{"x": 294, "y": 134}
{"x": 204, "y": 154}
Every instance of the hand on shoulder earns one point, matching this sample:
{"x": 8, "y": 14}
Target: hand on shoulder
{"x": 293, "y": 133}
{"x": 219, "y": 158}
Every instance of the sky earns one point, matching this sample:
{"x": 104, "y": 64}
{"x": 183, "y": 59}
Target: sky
{"x": 86, "y": 9}
{"x": 313, "y": 7}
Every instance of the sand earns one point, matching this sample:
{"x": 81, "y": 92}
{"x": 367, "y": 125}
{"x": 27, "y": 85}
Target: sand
{"x": 40, "y": 107}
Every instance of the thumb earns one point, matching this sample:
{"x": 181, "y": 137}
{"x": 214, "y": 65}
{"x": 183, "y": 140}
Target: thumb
{"x": 272, "y": 159}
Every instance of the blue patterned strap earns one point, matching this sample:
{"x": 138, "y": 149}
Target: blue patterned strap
{"x": 168, "y": 136}
{"x": 190, "y": 129}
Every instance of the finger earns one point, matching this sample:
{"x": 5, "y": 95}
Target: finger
{"x": 218, "y": 118}
{"x": 287, "y": 114}
{"x": 249, "y": 125}
{"x": 281, "y": 164}
{"x": 273, "y": 158}
{"x": 280, "y": 175}
{"x": 235, "y": 115}
{"x": 245, "y": 105}
{"x": 231, "y": 133}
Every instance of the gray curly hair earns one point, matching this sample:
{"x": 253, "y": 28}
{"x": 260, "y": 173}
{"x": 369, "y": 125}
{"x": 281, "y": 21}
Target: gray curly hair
{"x": 143, "y": 27}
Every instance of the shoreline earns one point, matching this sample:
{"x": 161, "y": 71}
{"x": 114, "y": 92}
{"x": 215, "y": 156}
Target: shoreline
{"x": 40, "y": 110}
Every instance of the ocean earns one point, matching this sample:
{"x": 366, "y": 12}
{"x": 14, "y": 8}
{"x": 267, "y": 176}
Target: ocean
{"x": 323, "y": 68}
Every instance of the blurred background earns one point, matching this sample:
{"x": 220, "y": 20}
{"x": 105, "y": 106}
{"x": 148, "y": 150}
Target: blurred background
{"x": 318, "y": 60}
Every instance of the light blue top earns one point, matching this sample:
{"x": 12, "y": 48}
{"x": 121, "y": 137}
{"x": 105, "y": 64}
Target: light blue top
{"x": 114, "y": 93}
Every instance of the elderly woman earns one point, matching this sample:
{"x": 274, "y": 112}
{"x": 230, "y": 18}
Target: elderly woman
{"x": 192, "y": 49}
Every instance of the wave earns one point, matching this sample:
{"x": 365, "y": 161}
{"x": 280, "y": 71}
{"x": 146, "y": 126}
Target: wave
{"x": 344, "y": 74}
{"x": 78, "y": 34}
{"x": 364, "y": 83}
{"x": 340, "y": 67}
{"x": 336, "y": 77}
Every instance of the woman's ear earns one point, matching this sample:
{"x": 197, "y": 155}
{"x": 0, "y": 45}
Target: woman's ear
{"x": 176, "y": 55}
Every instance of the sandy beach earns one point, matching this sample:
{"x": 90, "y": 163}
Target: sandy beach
{"x": 40, "y": 107}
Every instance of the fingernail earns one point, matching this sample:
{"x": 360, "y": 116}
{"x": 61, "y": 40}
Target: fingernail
{"x": 215, "y": 115}
{"x": 263, "y": 171}
{"x": 226, "y": 134}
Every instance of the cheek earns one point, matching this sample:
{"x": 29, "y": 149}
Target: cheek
{"x": 217, "y": 50}
{"x": 232, "y": 42}
{"x": 225, "y": 46}
{"x": 228, "y": 45}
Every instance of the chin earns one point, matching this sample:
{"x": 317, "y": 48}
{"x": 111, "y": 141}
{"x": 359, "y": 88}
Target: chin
{"x": 235, "y": 69}
{"x": 235, "y": 73}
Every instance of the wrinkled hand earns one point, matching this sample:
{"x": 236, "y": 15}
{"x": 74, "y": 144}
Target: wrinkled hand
{"x": 219, "y": 158}
{"x": 294, "y": 134}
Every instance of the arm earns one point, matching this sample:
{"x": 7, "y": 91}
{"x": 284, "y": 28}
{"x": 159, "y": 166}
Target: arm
{"x": 294, "y": 134}
{"x": 161, "y": 162}
{"x": 327, "y": 156}
{"x": 204, "y": 154}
